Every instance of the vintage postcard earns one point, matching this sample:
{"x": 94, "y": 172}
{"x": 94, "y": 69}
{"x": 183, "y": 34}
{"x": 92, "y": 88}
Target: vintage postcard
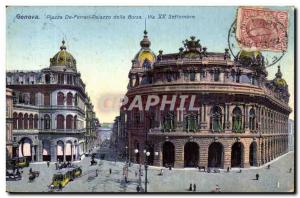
{"x": 150, "y": 99}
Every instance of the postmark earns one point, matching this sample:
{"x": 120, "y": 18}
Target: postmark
{"x": 262, "y": 29}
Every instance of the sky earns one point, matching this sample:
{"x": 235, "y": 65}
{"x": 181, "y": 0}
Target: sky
{"x": 104, "y": 48}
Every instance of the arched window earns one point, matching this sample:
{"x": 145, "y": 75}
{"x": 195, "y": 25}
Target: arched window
{"x": 47, "y": 121}
{"x": 216, "y": 119}
{"x": 169, "y": 76}
{"x": 47, "y": 78}
{"x": 252, "y": 119}
{"x": 192, "y": 75}
{"x": 216, "y": 75}
{"x": 169, "y": 121}
{"x": 69, "y": 122}
{"x": 76, "y": 99}
{"x": 191, "y": 122}
{"x": 15, "y": 120}
{"x": 26, "y": 121}
{"x": 20, "y": 121}
{"x": 137, "y": 118}
{"x": 237, "y": 120}
{"x": 46, "y": 99}
{"x": 30, "y": 121}
{"x": 147, "y": 64}
{"x": 60, "y": 98}
{"x": 75, "y": 122}
{"x": 36, "y": 119}
{"x": 60, "y": 122}
{"x": 137, "y": 81}
{"x": 69, "y": 99}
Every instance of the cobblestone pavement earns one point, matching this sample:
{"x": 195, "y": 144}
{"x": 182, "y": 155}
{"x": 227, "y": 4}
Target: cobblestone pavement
{"x": 275, "y": 179}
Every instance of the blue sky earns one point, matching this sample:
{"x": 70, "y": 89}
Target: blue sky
{"x": 104, "y": 48}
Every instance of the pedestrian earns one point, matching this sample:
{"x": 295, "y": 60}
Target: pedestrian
{"x": 161, "y": 172}
{"x": 269, "y": 166}
{"x": 170, "y": 167}
{"x": 228, "y": 169}
{"x": 48, "y": 164}
{"x": 194, "y": 187}
{"x": 138, "y": 188}
{"x": 18, "y": 172}
{"x": 110, "y": 171}
{"x": 257, "y": 176}
{"x": 191, "y": 187}
{"x": 218, "y": 189}
{"x": 30, "y": 170}
{"x": 240, "y": 171}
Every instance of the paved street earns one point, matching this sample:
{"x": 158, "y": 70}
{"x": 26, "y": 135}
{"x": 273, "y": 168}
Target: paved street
{"x": 276, "y": 179}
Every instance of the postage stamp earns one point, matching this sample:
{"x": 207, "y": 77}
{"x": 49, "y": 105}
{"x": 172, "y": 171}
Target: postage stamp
{"x": 262, "y": 29}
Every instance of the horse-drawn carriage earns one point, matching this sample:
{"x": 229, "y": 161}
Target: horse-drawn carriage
{"x": 17, "y": 162}
{"x": 33, "y": 175}
{"x": 11, "y": 176}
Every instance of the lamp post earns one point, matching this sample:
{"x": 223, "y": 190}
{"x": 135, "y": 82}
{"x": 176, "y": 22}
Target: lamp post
{"x": 126, "y": 154}
{"x": 147, "y": 154}
{"x": 136, "y": 151}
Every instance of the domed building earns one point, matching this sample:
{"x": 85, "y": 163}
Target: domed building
{"x": 241, "y": 119}
{"x": 49, "y": 111}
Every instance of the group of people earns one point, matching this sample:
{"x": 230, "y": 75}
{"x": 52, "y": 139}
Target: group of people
{"x": 192, "y": 187}
{"x": 60, "y": 165}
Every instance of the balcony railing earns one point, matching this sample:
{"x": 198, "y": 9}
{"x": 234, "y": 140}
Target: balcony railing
{"x": 29, "y": 131}
{"x": 52, "y": 107}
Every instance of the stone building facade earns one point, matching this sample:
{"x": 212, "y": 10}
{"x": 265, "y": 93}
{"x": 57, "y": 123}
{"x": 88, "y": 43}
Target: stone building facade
{"x": 242, "y": 119}
{"x": 49, "y": 114}
{"x": 92, "y": 124}
{"x": 9, "y": 123}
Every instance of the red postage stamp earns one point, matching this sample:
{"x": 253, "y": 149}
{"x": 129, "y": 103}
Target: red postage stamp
{"x": 262, "y": 29}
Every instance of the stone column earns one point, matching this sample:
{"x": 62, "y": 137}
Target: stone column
{"x": 179, "y": 154}
{"x": 258, "y": 153}
{"x": 227, "y": 155}
{"x": 246, "y": 117}
{"x": 203, "y": 152}
{"x": 158, "y": 159}
{"x": 53, "y": 152}
{"x": 39, "y": 151}
{"x": 226, "y": 120}
{"x": 263, "y": 147}
{"x": 205, "y": 117}
{"x": 246, "y": 153}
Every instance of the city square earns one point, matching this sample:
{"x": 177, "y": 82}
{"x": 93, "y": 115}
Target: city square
{"x": 276, "y": 179}
{"x": 196, "y": 111}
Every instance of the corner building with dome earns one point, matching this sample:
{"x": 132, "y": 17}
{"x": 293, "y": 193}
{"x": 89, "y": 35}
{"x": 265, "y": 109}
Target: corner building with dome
{"x": 50, "y": 111}
{"x": 242, "y": 119}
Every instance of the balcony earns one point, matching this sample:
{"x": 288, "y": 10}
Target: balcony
{"x": 72, "y": 131}
{"x": 54, "y": 107}
{"x": 36, "y": 131}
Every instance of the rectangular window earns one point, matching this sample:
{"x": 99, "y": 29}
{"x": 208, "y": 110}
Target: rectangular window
{"x": 46, "y": 99}
{"x": 61, "y": 78}
{"x": 216, "y": 76}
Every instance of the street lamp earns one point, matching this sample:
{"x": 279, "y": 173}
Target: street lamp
{"x": 147, "y": 154}
{"x": 126, "y": 155}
